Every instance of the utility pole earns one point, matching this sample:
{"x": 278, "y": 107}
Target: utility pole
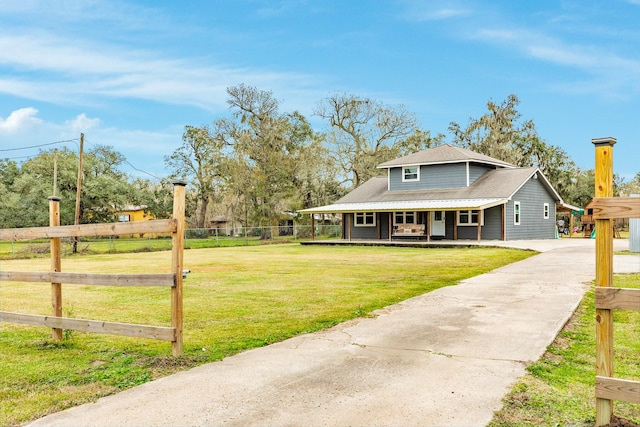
{"x": 79, "y": 191}
{"x": 55, "y": 171}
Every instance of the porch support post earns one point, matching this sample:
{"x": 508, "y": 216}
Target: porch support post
{"x": 390, "y": 225}
{"x": 428, "y": 228}
{"x": 313, "y": 227}
{"x": 479, "y": 225}
{"x": 378, "y": 228}
{"x": 503, "y": 216}
{"x": 342, "y": 218}
{"x": 455, "y": 225}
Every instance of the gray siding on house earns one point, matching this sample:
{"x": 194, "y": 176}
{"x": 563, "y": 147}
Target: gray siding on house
{"x": 532, "y": 197}
{"x": 476, "y": 171}
{"x": 491, "y": 230}
{"x": 360, "y": 232}
{"x": 383, "y": 224}
{"x": 449, "y": 218}
{"x": 431, "y": 177}
{"x": 467, "y": 232}
{"x": 367, "y": 232}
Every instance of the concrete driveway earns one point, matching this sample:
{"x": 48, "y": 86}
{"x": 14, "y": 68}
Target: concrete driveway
{"x": 445, "y": 358}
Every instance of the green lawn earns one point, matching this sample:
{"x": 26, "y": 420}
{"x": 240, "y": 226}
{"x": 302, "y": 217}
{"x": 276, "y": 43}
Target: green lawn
{"x": 559, "y": 388}
{"x": 234, "y": 299}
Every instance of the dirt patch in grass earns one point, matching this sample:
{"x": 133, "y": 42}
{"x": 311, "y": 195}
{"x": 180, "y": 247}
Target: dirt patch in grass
{"x": 621, "y": 422}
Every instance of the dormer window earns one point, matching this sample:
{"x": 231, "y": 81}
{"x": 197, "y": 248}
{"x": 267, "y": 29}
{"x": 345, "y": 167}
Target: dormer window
{"x": 410, "y": 173}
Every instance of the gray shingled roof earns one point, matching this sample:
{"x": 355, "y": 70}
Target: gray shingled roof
{"x": 492, "y": 188}
{"x": 498, "y": 183}
{"x": 445, "y": 153}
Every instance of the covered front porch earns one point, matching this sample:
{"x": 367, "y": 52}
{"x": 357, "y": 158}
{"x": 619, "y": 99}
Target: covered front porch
{"x": 427, "y": 221}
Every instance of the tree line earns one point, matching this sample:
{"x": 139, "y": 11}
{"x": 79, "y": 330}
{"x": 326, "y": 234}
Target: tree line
{"x": 258, "y": 163}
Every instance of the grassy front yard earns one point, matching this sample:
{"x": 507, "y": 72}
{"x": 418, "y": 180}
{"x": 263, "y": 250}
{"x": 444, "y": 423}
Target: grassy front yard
{"x": 234, "y": 299}
{"x": 559, "y": 388}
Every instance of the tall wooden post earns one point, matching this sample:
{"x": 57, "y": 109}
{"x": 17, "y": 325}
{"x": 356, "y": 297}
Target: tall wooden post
{"x": 78, "y": 190}
{"x": 177, "y": 264}
{"x": 604, "y": 273}
{"x": 313, "y": 227}
{"x": 56, "y": 265}
{"x": 455, "y": 224}
{"x": 503, "y": 222}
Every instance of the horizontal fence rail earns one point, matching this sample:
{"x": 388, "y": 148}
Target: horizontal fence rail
{"x": 97, "y": 326}
{"x": 617, "y": 389}
{"x": 617, "y": 299}
{"x": 616, "y": 207}
{"x": 168, "y": 279}
{"x": 174, "y": 226}
{"x": 90, "y": 230}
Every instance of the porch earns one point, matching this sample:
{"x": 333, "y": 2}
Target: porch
{"x": 424, "y": 225}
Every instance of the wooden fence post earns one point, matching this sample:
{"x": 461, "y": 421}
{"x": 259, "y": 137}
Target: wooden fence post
{"x": 177, "y": 263}
{"x": 604, "y": 273}
{"x": 56, "y": 265}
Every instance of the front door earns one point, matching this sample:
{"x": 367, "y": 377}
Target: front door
{"x": 437, "y": 223}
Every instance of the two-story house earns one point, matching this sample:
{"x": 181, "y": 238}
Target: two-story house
{"x": 451, "y": 193}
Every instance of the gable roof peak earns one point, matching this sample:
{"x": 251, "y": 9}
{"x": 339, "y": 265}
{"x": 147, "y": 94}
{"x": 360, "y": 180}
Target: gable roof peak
{"x": 445, "y": 153}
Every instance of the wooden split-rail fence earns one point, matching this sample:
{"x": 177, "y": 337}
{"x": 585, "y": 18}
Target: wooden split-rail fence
{"x": 607, "y": 298}
{"x": 173, "y": 280}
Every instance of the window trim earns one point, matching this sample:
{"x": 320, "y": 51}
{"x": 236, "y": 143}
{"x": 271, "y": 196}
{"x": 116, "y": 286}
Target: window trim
{"x": 470, "y": 215}
{"x": 404, "y": 218}
{"x": 364, "y": 216}
{"x": 517, "y": 213}
{"x": 404, "y": 173}
{"x": 546, "y": 211}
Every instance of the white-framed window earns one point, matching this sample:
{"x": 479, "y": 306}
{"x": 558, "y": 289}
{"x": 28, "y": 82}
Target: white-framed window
{"x": 546, "y": 211}
{"x": 469, "y": 217}
{"x": 124, "y": 217}
{"x": 365, "y": 219}
{"x": 404, "y": 218}
{"x": 410, "y": 173}
{"x": 516, "y": 213}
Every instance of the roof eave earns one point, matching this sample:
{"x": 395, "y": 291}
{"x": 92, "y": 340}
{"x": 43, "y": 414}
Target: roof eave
{"x": 447, "y": 162}
{"x": 409, "y": 205}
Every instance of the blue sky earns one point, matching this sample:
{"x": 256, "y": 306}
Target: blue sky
{"x": 133, "y": 74}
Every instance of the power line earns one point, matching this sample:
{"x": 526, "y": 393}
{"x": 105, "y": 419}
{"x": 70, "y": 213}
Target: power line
{"x": 41, "y": 145}
{"x": 140, "y": 170}
{"x": 129, "y": 163}
{"x": 61, "y": 142}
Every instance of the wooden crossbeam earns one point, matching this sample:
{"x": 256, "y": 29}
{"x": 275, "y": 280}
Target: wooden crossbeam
{"x": 168, "y": 279}
{"x": 617, "y": 298}
{"x": 617, "y": 389}
{"x": 127, "y": 329}
{"x": 616, "y": 207}
{"x": 90, "y": 230}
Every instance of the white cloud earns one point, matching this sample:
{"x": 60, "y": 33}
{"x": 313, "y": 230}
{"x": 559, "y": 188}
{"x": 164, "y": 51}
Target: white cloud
{"x": 82, "y": 123}
{"x": 77, "y": 70}
{"x": 434, "y": 10}
{"x": 19, "y": 120}
{"x": 610, "y": 74}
